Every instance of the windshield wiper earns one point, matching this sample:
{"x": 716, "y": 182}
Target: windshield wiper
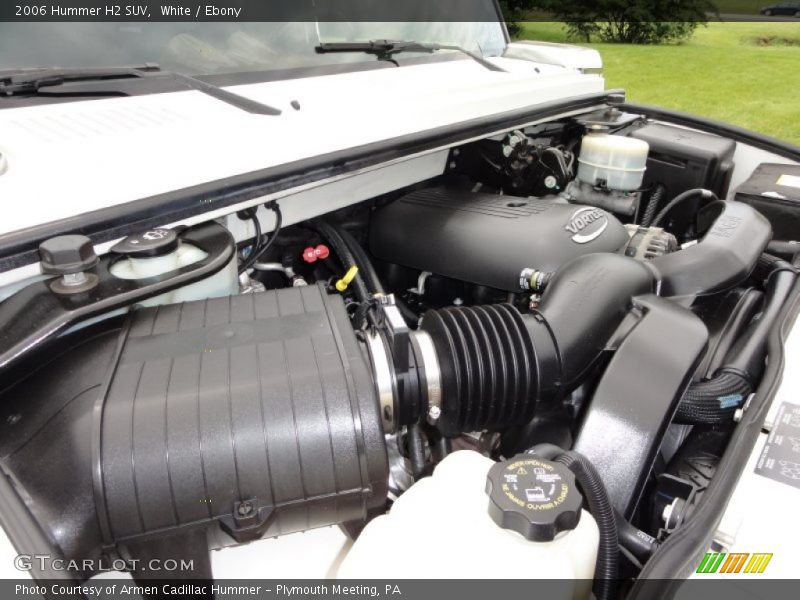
{"x": 31, "y": 81}
{"x": 386, "y": 49}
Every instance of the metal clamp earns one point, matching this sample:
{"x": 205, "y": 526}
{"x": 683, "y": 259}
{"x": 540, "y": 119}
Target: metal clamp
{"x": 384, "y": 378}
{"x": 433, "y": 374}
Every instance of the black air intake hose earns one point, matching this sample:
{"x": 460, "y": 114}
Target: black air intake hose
{"x": 495, "y": 364}
{"x": 722, "y": 259}
{"x": 489, "y": 369}
{"x": 607, "y": 567}
{"x": 715, "y": 401}
{"x": 583, "y": 305}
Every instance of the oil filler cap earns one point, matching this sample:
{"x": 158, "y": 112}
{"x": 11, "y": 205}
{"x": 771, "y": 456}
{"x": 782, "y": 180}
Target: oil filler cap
{"x": 153, "y": 242}
{"x": 534, "y": 497}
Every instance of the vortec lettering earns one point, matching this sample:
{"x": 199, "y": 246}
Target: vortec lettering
{"x": 583, "y": 218}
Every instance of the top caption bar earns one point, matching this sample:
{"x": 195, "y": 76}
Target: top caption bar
{"x": 251, "y": 10}
{"x": 352, "y": 11}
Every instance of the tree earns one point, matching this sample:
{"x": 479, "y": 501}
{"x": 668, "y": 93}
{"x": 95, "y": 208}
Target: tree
{"x": 623, "y": 21}
{"x": 514, "y": 11}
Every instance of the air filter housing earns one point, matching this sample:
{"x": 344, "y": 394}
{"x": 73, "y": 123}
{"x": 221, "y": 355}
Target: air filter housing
{"x": 235, "y": 418}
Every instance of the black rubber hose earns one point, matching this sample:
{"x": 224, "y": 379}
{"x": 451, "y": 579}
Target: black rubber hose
{"x": 371, "y": 277}
{"x": 786, "y": 249}
{"x": 748, "y": 353}
{"x": 365, "y": 265}
{"x": 607, "y": 568}
{"x": 715, "y": 401}
{"x": 768, "y": 264}
{"x": 640, "y": 544}
{"x": 252, "y": 214}
{"x": 680, "y": 199}
{"x": 345, "y": 256}
{"x": 416, "y": 450}
{"x": 260, "y": 249}
{"x": 652, "y": 204}
{"x": 361, "y": 314}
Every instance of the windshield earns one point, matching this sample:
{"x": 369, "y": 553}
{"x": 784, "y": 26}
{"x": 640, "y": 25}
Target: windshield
{"x": 200, "y": 48}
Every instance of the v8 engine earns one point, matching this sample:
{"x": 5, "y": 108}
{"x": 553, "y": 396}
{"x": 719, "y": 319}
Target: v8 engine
{"x": 488, "y": 239}
{"x": 541, "y": 311}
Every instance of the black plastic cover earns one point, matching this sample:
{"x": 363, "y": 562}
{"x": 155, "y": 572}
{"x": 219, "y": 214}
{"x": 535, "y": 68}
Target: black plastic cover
{"x": 489, "y": 239}
{"x": 636, "y": 398}
{"x": 26, "y": 333}
{"x": 774, "y": 190}
{"x": 235, "y": 418}
{"x": 535, "y": 497}
{"x": 682, "y": 159}
{"x": 196, "y": 417}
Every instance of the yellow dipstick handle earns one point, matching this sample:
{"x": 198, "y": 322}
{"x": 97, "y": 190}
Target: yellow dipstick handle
{"x": 342, "y": 284}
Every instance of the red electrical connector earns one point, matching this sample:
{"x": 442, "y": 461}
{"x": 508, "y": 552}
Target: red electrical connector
{"x": 311, "y": 255}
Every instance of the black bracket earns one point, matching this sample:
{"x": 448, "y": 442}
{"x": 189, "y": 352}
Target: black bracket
{"x": 35, "y": 315}
{"x": 248, "y": 521}
{"x": 637, "y": 396}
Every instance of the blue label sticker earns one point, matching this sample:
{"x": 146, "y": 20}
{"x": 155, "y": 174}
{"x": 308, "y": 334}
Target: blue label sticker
{"x": 730, "y": 400}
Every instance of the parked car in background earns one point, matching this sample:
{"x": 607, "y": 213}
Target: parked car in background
{"x": 783, "y": 8}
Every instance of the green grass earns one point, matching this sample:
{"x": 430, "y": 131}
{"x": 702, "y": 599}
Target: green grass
{"x": 747, "y": 74}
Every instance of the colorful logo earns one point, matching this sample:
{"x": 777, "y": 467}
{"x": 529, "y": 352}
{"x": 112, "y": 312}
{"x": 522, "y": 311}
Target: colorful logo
{"x": 735, "y": 562}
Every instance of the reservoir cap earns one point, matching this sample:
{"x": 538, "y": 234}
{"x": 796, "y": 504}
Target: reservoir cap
{"x": 153, "y": 242}
{"x": 534, "y": 497}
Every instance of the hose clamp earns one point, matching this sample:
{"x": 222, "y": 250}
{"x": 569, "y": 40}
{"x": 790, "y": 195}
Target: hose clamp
{"x": 384, "y": 378}
{"x": 433, "y": 374}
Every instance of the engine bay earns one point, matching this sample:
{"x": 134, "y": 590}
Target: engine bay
{"x": 555, "y": 327}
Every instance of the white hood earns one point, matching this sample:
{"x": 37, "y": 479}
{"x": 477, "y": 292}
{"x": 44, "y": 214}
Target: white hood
{"x": 69, "y": 158}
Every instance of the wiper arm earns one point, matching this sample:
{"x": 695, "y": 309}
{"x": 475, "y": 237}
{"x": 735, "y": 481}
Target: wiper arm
{"x": 31, "y": 81}
{"x": 386, "y": 49}
{"x": 251, "y": 106}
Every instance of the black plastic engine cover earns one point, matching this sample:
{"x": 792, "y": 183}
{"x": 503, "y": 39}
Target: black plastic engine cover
{"x": 230, "y": 418}
{"x": 489, "y": 239}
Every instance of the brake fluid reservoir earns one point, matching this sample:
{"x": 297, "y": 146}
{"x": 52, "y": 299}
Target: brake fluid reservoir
{"x": 521, "y": 518}
{"x": 612, "y": 161}
{"x": 159, "y": 251}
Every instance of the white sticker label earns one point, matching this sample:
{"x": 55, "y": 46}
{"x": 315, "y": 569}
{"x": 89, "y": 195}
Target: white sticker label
{"x": 789, "y": 180}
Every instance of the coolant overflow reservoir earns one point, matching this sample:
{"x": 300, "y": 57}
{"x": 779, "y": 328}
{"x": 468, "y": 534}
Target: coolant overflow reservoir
{"x": 157, "y": 252}
{"x": 536, "y": 498}
{"x": 614, "y": 162}
{"x": 449, "y": 513}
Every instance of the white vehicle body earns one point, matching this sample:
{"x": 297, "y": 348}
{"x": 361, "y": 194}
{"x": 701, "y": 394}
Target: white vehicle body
{"x": 89, "y": 147}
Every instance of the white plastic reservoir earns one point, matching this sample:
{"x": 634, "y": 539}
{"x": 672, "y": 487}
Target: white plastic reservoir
{"x": 223, "y": 283}
{"x": 441, "y": 528}
{"x": 616, "y": 161}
